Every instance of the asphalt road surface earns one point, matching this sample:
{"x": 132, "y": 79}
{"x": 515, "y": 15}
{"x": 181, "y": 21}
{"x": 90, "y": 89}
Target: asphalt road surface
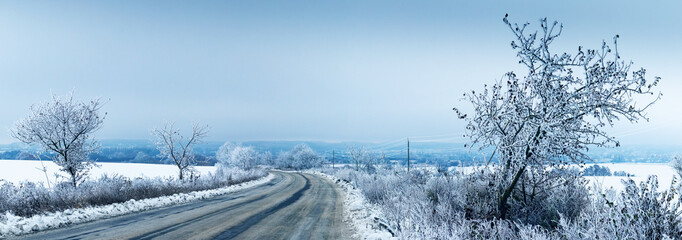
{"x": 291, "y": 206}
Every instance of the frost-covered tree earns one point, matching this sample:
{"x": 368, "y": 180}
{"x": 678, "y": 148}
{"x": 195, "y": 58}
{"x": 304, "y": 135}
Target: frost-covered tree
{"x": 266, "y": 158}
{"x": 244, "y": 157}
{"x": 64, "y": 127}
{"x": 223, "y": 153}
{"x": 553, "y": 114}
{"x": 177, "y": 148}
{"x": 300, "y": 157}
{"x": 362, "y": 159}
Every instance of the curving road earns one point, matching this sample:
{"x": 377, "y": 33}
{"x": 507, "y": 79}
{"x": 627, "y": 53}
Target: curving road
{"x": 291, "y": 206}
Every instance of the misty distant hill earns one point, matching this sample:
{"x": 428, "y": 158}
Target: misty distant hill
{"x": 447, "y": 153}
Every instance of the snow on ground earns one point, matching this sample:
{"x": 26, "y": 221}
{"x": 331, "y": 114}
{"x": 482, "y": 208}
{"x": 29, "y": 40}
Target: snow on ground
{"x": 28, "y": 170}
{"x": 642, "y": 171}
{"x": 362, "y": 216}
{"x": 14, "y": 225}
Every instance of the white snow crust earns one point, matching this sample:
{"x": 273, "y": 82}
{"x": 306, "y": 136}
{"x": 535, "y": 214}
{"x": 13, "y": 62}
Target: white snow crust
{"x": 16, "y": 171}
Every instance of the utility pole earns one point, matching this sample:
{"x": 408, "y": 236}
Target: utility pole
{"x": 408, "y": 155}
{"x": 332, "y": 159}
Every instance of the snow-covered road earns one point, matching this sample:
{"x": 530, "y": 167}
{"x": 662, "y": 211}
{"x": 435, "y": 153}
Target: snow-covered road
{"x": 291, "y": 206}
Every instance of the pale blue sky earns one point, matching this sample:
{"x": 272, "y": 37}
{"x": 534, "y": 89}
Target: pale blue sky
{"x": 306, "y": 70}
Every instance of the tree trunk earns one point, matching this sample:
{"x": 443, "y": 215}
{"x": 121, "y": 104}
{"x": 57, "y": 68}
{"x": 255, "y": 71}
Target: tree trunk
{"x": 73, "y": 180}
{"x": 502, "y": 204}
{"x": 72, "y": 172}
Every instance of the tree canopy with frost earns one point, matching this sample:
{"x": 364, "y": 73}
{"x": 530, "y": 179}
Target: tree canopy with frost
{"x": 362, "y": 158}
{"x": 223, "y": 153}
{"x": 177, "y": 148}
{"x": 300, "y": 157}
{"x": 244, "y": 157}
{"x": 64, "y": 127}
{"x": 553, "y": 114}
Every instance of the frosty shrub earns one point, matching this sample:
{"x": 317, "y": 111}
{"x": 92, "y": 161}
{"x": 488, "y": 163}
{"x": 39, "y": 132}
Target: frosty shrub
{"x": 27, "y": 198}
{"x": 362, "y": 158}
{"x": 639, "y": 212}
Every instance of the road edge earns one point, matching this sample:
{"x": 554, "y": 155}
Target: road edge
{"x": 361, "y": 215}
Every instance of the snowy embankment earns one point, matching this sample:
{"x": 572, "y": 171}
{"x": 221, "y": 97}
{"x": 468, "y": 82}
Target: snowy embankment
{"x": 364, "y": 217}
{"x": 15, "y": 225}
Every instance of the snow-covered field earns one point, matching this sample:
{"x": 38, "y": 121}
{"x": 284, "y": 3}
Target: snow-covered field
{"x": 642, "y": 171}
{"x": 24, "y": 170}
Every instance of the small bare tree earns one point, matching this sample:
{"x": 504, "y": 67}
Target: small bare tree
{"x": 64, "y": 126}
{"x": 556, "y": 112}
{"x": 176, "y": 148}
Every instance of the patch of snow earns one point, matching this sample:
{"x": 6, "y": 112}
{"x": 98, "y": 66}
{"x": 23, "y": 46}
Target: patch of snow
{"x": 16, "y": 171}
{"x": 15, "y": 225}
{"x": 364, "y": 217}
{"x": 642, "y": 171}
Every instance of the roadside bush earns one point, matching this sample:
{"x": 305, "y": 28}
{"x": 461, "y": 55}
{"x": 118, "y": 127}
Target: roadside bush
{"x": 27, "y": 199}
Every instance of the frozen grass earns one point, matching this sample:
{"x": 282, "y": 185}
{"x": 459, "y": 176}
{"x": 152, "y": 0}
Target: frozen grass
{"x": 28, "y": 203}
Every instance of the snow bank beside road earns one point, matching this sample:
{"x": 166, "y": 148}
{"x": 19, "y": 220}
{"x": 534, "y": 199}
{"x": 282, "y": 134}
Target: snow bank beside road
{"x": 14, "y": 225}
{"x": 363, "y": 216}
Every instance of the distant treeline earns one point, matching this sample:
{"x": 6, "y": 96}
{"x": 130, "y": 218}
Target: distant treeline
{"x": 596, "y": 170}
{"x": 126, "y": 155}
{"x": 206, "y": 157}
{"x": 441, "y": 154}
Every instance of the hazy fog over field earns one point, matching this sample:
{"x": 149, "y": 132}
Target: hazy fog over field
{"x": 307, "y": 70}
